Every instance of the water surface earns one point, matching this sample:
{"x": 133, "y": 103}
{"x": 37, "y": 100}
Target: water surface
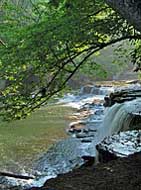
{"x": 22, "y": 142}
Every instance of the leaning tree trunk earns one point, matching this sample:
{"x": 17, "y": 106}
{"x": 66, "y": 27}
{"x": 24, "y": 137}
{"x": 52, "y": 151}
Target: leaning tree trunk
{"x": 129, "y": 9}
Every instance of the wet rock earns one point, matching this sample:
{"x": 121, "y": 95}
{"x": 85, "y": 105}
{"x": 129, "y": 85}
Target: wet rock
{"x": 83, "y": 114}
{"x": 83, "y": 135}
{"x": 86, "y": 89}
{"x": 86, "y": 130}
{"x": 95, "y": 90}
{"x": 76, "y": 127}
{"x": 120, "y": 145}
{"x": 133, "y": 81}
{"x": 86, "y": 140}
{"x": 122, "y": 95}
{"x": 89, "y": 160}
{"x": 123, "y": 174}
{"x": 7, "y": 183}
{"x": 99, "y": 112}
{"x": 98, "y": 102}
{"x": 64, "y": 156}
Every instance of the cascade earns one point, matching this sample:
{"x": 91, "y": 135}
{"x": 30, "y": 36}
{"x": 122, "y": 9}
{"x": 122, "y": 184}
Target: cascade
{"x": 105, "y": 90}
{"x": 65, "y": 155}
{"x": 121, "y": 117}
{"x": 96, "y": 90}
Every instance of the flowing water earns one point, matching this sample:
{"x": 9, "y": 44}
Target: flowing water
{"x": 22, "y": 142}
{"x": 36, "y": 135}
{"x": 121, "y": 117}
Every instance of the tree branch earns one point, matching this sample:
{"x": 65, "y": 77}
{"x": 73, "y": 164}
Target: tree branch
{"x": 93, "y": 50}
{"x": 2, "y": 43}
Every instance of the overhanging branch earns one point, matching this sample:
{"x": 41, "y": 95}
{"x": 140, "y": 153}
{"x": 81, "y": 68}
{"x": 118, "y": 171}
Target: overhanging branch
{"x": 91, "y": 52}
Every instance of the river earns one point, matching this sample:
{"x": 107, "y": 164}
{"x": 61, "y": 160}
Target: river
{"x": 83, "y": 133}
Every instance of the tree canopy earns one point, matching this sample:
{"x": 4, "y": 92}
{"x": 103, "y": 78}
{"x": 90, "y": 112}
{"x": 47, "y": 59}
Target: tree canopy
{"x": 43, "y": 43}
{"x": 129, "y": 9}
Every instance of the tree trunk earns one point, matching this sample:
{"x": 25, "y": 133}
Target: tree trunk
{"x": 129, "y": 9}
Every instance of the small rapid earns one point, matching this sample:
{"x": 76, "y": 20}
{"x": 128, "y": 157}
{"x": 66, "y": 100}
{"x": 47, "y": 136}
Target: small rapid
{"x": 122, "y": 117}
{"x": 67, "y": 154}
{"x": 90, "y": 124}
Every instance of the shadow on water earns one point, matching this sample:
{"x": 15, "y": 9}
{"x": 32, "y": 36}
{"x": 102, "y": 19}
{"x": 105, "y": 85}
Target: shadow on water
{"x": 33, "y": 136}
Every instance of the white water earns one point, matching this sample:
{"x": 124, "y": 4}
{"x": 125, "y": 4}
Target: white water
{"x": 124, "y": 144}
{"x": 24, "y": 184}
{"x": 78, "y": 101}
{"x": 94, "y": 90}
{"x": 116, "y": 118}
{"x": 94, "y": 93}
{"x": 71, "y": 100}
{"x": 119, "y": 117}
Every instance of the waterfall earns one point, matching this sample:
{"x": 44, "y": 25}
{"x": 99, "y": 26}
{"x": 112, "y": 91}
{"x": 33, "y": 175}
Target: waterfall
{"x": 96, "y": 90}
{"x": 121, "y": 117}
{"x": 105, "y": 90}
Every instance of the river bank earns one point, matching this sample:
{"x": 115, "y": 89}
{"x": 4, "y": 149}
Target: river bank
{"x": 86, "y": 130}
{"x": 121, "y": 174}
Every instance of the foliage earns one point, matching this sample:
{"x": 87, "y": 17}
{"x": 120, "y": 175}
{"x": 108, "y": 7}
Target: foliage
{"x": 136, "y": 54}
{"x": 47, "y": 44}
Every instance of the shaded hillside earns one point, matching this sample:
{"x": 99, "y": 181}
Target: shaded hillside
{"x": 111, "y": 67}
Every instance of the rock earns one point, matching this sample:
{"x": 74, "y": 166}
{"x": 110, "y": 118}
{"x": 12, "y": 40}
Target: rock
{"x": 97, "y": 101}
{"x": 83, "y": 135}
{"x": 95, "y": 90}
{"x": 120, "y": 145}
{"x": 89, "y": 160}
{"x": 122, "y": 95}
{"x": 77, "y": 123}
{"x": 83, "y": 114}
{"x": 86, "y": 131}
{"x": 76, "y": 127}
{"x": 93, "y": 130}
{"x": 123, "y": 174}
{"x": 86, "y": 89}
{"x": 7, "y": 183}
{"x": 86, "y": 140}
{"x": 63, "y": 156}
{"x": 133, "y": 81}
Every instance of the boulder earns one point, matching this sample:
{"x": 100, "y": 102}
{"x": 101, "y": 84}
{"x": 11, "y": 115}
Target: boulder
{"x": 119, "y": 145}
{"x": 76, "y": 127}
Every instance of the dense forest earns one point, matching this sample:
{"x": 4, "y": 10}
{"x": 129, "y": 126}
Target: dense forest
{"x": 44, "y": 43}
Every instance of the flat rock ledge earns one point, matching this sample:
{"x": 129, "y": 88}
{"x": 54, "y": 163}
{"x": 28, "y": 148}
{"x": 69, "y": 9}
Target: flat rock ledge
{"x": 120, "y": 145}
{"x": 122, "y": 95}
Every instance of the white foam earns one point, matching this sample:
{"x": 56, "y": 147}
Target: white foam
{"x": 37, "y": 182}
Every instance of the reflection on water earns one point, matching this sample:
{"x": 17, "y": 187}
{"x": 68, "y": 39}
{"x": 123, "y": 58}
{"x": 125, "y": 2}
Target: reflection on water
{"x": 22, "y": 142}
